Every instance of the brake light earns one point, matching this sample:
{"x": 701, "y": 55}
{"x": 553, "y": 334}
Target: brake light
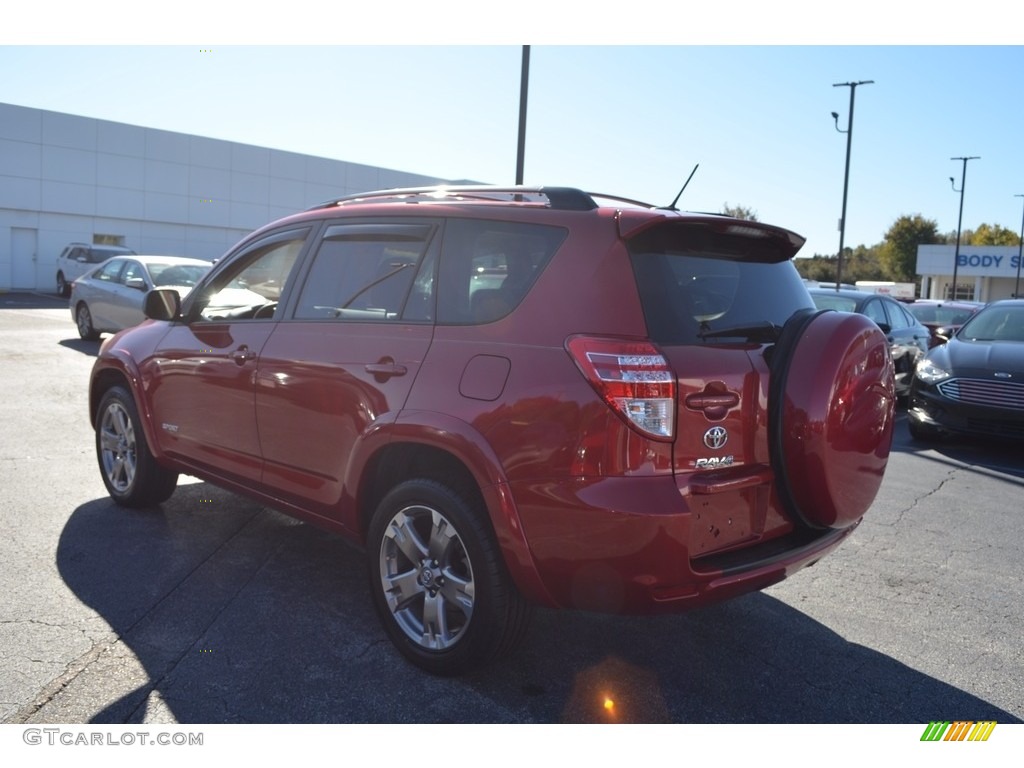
{"x": 633, "y": 378}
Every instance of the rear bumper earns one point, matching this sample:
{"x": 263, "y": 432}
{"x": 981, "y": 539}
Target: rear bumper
{"x": 640, "y": 545}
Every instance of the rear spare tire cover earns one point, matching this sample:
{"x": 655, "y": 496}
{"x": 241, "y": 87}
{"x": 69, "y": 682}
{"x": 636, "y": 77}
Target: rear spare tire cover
{"x": 830, "y": 409}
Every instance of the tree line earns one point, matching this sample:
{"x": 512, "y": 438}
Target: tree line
{"x": 895, "y": 258}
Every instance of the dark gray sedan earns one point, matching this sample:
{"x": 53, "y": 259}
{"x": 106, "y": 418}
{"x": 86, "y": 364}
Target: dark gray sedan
{"x": 908, "y": 337}
{"x": 974, "y": 384}
{"x": 108, "y": 298}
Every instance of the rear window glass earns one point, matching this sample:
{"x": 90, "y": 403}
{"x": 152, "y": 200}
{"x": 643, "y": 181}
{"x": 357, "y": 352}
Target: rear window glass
{"x": 834, "y": 301}
{"x": 686, "y": 291}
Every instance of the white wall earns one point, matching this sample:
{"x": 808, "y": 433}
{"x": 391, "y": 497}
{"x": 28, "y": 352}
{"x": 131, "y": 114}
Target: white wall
{"x": 67, "y": 178}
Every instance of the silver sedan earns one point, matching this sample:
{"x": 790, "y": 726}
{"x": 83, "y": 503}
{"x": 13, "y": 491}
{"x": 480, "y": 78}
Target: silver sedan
{"x": 109, "y": 297}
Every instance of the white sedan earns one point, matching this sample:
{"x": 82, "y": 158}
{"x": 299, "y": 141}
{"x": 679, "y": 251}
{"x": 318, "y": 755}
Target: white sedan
{"x": 109, "y": 297}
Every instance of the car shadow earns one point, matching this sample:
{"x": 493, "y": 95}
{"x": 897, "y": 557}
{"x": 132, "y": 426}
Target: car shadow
{"x": 235, "y": 613}
{"x": 90, "y": 348}
{"x": 1003, "y": 456}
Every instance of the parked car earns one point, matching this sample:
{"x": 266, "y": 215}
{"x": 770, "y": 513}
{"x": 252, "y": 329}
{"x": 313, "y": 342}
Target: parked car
{"x": 512, "y": 396}
{"x": 907, "y": 336}
{"x": 78, "y": 258}
{"x": 942, "y": 318}
{"x": 974, "y": 384}
{"x": 110, "y": 296}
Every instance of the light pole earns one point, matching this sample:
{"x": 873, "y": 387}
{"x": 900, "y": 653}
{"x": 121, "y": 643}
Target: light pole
{"x": 1020, "y": 254}
{"x": 846, "y": 176}
{"x": 524, "y": 81}
{"x": 960, "y": 219}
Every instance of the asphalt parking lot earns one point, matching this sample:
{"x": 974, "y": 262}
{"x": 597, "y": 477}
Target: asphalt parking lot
{"x": 212, "y": 609}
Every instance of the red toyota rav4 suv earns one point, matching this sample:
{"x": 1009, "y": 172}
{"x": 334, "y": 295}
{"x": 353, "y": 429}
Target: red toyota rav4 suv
{"x": 512, "y": 396}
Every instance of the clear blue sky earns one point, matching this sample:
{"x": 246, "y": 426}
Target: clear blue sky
{"x": 629, "y": 120}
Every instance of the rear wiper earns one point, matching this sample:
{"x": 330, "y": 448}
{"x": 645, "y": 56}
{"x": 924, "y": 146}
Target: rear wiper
{"x": 762, "y": 332}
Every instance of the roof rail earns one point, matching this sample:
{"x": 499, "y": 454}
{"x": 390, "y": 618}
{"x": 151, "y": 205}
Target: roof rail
{"x": 560, "y": 198}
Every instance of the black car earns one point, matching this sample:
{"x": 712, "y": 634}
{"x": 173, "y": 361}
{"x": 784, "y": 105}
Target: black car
{"x": 908, "y": 337}
{"x": 974, "y": 385}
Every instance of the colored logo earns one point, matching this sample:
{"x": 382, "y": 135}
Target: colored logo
{"x": 961, "y": 730}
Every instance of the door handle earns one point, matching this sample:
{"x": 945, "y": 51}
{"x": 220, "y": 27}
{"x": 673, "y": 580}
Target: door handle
{"x": 242, "y": 355}
{"x": 385, "y": 369}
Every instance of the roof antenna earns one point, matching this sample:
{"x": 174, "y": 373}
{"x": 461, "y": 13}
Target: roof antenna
{"x": 672, "y": 206}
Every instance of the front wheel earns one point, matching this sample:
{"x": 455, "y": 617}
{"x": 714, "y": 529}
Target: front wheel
{"x": 131, "y": 474}
{"x": 438, "y": 580}
{"x": 63, "y": 287}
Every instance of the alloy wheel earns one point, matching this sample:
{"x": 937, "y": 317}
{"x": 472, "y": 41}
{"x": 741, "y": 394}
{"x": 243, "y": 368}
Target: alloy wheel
{"x": 426, "y": 577}
{"x": 117, "y": 447}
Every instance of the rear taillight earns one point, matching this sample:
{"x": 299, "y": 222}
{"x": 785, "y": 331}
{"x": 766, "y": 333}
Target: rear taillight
{"x": 633, "y": 377}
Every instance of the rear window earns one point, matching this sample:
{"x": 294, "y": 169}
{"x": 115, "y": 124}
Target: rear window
{"x": 688, "y": 289}
{"x": 834, "y": 301}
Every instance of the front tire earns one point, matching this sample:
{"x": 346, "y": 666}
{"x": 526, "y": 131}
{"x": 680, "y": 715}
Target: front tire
{"x": 438, "y": 580}
{"x": 63, "y": 286}
{"x": 83, "y": 319}
{"x": 131, "y": 474}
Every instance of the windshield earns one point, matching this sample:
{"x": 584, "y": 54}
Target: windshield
{"x": 995, "y": 323}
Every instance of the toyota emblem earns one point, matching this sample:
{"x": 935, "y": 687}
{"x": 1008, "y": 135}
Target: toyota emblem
{"x": 716, "y": 437}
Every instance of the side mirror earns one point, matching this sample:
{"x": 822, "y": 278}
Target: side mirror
{"x": 885, "y": 328}
{"x": 136, "y": 282}
{"x": 943, "y": 334}
{"x": 162, "y": 304}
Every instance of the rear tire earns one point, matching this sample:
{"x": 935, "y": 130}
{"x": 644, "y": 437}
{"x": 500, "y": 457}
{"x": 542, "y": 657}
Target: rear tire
{"x": 438, "y": 580}
{"x": 83, "y": 319}
{"x": 132, "y": 476}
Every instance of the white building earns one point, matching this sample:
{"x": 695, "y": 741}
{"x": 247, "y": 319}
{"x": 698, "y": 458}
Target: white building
{"x": 65, "y": 178}
{"x": 983, "y": 272}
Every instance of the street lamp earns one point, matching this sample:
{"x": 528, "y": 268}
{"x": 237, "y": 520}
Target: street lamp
{"x": 846, "y": 177}
{"x": 959, "y": 221}
{"x": 1020, "y": 253}
{"x": 524, "y": 82}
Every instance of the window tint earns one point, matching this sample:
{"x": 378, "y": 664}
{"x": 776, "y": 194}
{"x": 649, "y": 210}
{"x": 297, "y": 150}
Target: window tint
{"x": 369, "y": 272}
{"x": 487, "y": 267}
{"x": 251, "y": 285}
{"x": 691, "y": 289}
